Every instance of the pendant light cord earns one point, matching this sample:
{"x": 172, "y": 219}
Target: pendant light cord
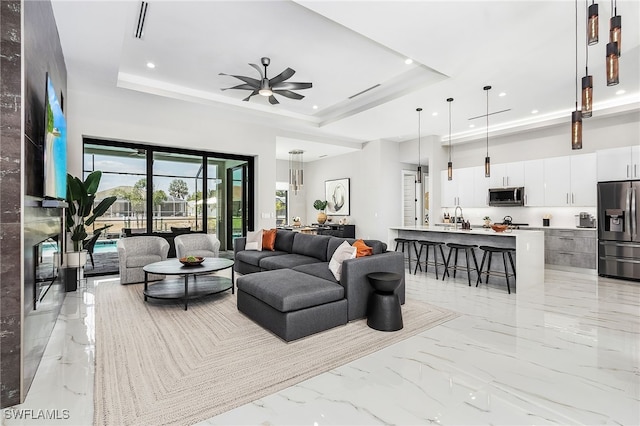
{"x": 449, "y": 100}
{"x": 576, "y": 55}
{"x": 586, "y": 44}
{"x": 419, "y": 110}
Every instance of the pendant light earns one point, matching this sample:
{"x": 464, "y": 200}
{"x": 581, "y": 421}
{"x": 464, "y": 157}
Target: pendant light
{"x": 576, "y": 116}
{"x": 487, "y": 160}
{"x": 449, "y": 164}
{"x": 419, "y": 173}
{"x": 613, "y": 48}
{"x": 587, "y": 83}
{"x": 296, "y": 171}
{"x": 615, "y": 27}
{"x": 592, "y": 24}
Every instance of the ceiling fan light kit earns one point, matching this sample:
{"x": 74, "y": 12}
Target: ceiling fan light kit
{"x": 269, "y": 87}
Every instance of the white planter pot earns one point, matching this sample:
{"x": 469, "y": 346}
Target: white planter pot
{"x": 75, "y": 259}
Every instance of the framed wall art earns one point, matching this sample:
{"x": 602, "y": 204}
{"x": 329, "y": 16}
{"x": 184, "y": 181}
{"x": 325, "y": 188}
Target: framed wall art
{"x": 336, "y": 193}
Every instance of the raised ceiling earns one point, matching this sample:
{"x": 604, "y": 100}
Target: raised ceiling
{"x": 524, "y": 49}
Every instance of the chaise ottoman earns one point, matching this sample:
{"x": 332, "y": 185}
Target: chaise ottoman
{"x": 291, "y": 304}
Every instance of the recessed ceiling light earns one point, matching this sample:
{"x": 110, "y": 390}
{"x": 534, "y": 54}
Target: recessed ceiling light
{"x": 315, "y": 107}
{"x": 408, "y": 61}
{"x": 434, "y": 113}
{"x": 534, "y": 111}
{"x": 151, "y": 65}
{"x": 502, "y": 94}
{"x": 472, "y": 125}
{"x": 621, "y": 92}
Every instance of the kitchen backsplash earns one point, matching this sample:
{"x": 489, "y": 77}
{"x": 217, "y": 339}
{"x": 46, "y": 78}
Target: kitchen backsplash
{"x": 560, "y": 216}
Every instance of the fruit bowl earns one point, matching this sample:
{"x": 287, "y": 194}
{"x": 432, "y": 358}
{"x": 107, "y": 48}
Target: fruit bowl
{"x": 499, "y": 228}
{"x": 191, "y": 260}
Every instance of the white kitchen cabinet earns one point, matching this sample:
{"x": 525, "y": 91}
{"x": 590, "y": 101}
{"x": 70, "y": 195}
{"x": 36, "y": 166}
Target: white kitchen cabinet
{"x": 534, "y": 183}
{"x": 463, "y": 189}
{"x": 507, "y": 175}
{"x": 618, "y": 163}
{"x": 584, "y": 182}
{"x": 570, "y": 181}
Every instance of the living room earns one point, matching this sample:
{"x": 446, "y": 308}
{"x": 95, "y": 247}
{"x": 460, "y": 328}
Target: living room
{"x": 97, "y": 105}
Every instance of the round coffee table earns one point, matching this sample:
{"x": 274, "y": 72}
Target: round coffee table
{"x": 196, "y": 287}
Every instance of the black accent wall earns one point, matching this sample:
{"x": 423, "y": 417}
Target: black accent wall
{"x": 24, "y": 332}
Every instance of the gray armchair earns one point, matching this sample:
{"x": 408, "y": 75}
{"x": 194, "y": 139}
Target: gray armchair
{"x": 205, "y": 245}
{"x": 136, "y": 252}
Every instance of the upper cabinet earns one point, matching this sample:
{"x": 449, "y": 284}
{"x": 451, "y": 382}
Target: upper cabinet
{"x": 534, "y": 183}
{"x": 468, "y": 188}
{"x": 570, "y": 181}
{"x": 618, "y": 163}
{"x": 507, "y": 175}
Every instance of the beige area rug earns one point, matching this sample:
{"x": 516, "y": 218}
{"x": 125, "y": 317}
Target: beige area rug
{"x": 157, "y": 364}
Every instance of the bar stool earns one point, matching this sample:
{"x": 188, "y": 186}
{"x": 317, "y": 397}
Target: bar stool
{"x": 408, "y": 242}
{"x": 431, "y": 244}
{"x": 467, "y": 248}
{"x": 505, "y": 252}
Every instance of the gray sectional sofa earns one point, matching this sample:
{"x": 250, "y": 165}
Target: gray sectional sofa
{"x": 291, "y": 290}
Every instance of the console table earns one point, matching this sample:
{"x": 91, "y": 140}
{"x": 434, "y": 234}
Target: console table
{"x": 342, "y": 231}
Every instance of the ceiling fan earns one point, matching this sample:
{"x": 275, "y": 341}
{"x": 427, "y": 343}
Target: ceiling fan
{"x": 269, "y": 87}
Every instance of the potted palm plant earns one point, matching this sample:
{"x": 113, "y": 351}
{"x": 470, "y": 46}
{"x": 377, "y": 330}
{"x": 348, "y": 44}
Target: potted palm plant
{"x": 81, "y": 213}
{"x": 321, "y": 206}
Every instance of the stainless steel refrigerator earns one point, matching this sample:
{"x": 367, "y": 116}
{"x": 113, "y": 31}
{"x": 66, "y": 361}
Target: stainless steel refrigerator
{"x": 618, "y": 238}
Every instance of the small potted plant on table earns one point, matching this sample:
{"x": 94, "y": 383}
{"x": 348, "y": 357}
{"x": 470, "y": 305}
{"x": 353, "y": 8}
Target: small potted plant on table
{"x": 321, "y": 206}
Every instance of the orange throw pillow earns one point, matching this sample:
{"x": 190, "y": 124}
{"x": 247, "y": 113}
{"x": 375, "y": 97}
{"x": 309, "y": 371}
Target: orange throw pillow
{"x": 363, "y": 249}
{"x": 269, "y": 239}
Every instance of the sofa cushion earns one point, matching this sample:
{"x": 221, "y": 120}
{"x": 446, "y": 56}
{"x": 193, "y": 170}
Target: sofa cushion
{"x": 284, "y": 240}
{"x": 254, "y": 240}
{"x": 286, "y": 261}
{"x": 320, "y": 270}
{"x": 142, "y": 260}
{"x": 377, "y": 246}
{"x": 287, "y": 290}
{"x": 253, "y": 257}
{"x": 311, "y": 245}
{"x": 343, "y": 252}
{"x": 269, "y": 239}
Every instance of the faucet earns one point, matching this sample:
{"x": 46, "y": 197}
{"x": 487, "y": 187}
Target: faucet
{"x": 455, "y": 217}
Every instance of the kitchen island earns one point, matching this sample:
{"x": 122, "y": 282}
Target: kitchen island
{"x": 529, "y": 246}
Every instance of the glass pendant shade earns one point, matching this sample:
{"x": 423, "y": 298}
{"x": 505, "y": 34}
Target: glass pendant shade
{"x": 576, "y": 129}
{"x": 449, "y": 170}
{"x": 615, "y": 33}
{"x": 419, "y": 175}
{"x": 587, "y": 96}
{"x": 487, "y": 167}
{"x": 592, "y": 25}
{"x": 612, "y": 64}
{"x": 296, "y": 172}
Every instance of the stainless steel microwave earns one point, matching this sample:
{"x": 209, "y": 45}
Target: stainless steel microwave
{"x": 501, "y": 197}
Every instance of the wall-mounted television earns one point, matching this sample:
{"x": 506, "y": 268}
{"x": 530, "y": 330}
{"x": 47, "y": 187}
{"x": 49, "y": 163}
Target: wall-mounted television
{"x": 55, "y": 146}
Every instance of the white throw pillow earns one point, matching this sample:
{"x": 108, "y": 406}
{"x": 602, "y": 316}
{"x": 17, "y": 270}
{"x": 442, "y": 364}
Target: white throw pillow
{"x": 342, "y": 253}
{"x": 254, "y": 240}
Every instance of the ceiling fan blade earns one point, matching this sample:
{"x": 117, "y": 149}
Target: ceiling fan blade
{"x": 284, "y": 75}
{"x": 292, "y": 86}
{"x": 252, "y": 81}
{"x": 259, "y": 70}
{"x": 255, "y": 92}
{"x": 240, "y": 86}
{"x": 288, "y": 94}
{"x": 273, "y": 100}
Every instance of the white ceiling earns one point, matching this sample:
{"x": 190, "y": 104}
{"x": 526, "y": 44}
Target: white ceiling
{"x": 525, "y": 49}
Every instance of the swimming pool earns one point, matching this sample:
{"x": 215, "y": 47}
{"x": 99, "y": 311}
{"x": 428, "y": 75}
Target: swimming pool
{"x": 102, "y": 246}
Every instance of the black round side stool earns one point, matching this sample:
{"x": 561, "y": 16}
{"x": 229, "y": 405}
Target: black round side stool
{"x": 383, "y": 311}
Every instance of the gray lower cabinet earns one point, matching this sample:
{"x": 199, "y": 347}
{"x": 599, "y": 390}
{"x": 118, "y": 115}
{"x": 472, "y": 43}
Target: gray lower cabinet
{"x": 567, "y": 247}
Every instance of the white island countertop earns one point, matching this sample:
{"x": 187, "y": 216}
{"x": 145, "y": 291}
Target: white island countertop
{"x": 528, "y": 243}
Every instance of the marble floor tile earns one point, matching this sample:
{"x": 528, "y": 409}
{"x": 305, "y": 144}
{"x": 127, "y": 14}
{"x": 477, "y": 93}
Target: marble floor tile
{"x": 563, "y": 351}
